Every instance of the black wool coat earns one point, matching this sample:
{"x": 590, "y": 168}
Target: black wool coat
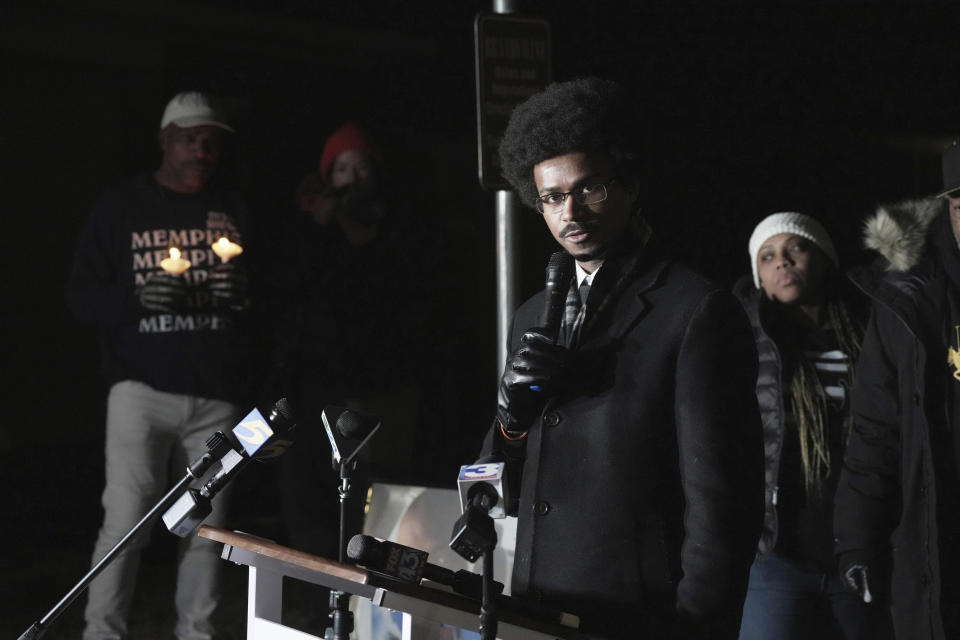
{"x": 641, "y": 490}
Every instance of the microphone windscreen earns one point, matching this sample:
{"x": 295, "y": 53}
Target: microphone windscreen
{"x": 558, "y": 263}
{"x": 360, "y": 547}
{"x": 389, "y": 558}
{"x": 559, "y": 272}
{"x": 354, "y": 425}
{"x": 281, "y": 415}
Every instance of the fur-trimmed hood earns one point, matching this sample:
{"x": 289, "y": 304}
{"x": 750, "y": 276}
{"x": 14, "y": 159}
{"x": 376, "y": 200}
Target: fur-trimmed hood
{"x": 899, "y": 231}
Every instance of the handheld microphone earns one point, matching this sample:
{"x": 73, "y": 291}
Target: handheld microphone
{"x": 255, "y": 438}
{"x": 348, "y": 431}
{"x": 410, "y": 565}
{"x": 559, "y": 272}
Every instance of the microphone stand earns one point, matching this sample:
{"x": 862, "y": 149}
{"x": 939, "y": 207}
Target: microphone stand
{"x": 194, "y": 471}
{"x": 473, "y": 536}
{"x": 347, "y": 432}
{"x": 340, "y": 614}
{"x": 488, "y": 605}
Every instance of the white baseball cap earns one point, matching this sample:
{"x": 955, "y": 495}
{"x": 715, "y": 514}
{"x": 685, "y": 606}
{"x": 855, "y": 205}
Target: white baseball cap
{"x": 193, "y": 109}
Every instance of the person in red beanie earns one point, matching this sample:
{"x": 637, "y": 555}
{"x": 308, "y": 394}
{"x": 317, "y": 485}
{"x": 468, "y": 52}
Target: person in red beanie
{"x": 346, "y": 187}
{"x": 347, "y": 156}
{"x": 356, "y": 339}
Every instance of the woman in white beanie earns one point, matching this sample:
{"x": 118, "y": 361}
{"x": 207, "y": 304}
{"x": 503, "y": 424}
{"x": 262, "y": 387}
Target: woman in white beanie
{"x": 808, "y": 337}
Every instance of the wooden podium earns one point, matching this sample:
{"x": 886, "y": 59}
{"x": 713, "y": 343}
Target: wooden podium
{"x": 269, "y": 563}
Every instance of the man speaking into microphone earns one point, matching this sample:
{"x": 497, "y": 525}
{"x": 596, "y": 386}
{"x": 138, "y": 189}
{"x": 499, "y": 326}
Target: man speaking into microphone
{"x": 626, "y": 415}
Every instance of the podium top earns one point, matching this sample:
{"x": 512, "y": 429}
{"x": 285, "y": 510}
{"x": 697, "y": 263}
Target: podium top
{"x": 264, "y": 547}
{"x": 439, "y": 604}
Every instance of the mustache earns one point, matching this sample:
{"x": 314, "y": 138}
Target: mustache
{"x": 577, "y": 227}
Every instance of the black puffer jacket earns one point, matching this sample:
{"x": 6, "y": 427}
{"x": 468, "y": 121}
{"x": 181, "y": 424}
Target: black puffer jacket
{"x": 770, "y": 399}
{"x": 770, "y": 390}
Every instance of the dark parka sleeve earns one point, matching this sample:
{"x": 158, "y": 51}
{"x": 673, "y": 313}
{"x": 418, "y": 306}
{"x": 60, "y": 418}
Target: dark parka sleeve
{"x": 868, "y": 497}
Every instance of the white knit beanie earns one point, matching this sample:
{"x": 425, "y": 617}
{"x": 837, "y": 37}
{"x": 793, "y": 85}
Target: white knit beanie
{"x": 789, "y": 222}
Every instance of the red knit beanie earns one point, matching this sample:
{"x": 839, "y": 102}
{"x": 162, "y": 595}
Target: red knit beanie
{"x": 348, "y": 137}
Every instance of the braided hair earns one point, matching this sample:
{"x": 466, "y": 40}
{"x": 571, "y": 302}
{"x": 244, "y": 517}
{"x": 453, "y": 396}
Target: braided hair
{"x": 805, "y": 397}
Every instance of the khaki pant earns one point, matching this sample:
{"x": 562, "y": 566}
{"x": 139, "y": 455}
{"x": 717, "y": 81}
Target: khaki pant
{"x": 145, "y": 430}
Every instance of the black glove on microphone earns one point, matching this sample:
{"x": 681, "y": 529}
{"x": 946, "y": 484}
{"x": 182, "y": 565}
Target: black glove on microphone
{"x": 536, "y": 371}
{"x": 228, "y": 285}
{"x": 163, "y": 292}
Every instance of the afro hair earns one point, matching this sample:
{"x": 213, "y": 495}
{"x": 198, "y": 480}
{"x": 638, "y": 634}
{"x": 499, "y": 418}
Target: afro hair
{"x": 588, "y": 114}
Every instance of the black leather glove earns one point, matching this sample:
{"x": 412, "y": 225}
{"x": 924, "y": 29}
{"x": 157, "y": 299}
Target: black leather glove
{"x": 856, "y": 578}
{"x": 536, "y": 371}
{"x": 228, "y": 286}
{"x": 163, "y": 292}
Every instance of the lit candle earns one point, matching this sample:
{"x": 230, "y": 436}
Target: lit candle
{"x": 175, "y": 264}
{"x": 226, "y": 249}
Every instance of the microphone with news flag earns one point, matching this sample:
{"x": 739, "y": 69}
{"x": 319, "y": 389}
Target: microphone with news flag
{"x": 410, "y": 565}
{"x": 256, "y": 437}
{"x": 483, "y": 496}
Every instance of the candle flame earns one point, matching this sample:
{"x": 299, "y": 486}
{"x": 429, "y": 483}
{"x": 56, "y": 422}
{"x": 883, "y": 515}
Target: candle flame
{"x": 174, "y": 253}
{"x": 226, "y": 249}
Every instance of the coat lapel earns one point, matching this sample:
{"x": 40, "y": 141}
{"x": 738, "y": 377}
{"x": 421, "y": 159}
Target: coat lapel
{"x": 631, "y": 305}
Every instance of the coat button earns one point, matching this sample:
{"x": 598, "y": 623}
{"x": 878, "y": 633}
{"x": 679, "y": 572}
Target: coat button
{"x": 924, "y": 580}
{"x": 923, "y": 490}
{"x": 551, "y": 419}
{"x": 542, "y": 508}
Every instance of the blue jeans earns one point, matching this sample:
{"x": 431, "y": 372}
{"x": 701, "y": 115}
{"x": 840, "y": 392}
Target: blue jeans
{"x": 787, "y": 602}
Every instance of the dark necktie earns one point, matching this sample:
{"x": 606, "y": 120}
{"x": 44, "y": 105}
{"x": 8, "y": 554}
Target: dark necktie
{"x": 573, "y": 337}
{"x": 584, "y": 291}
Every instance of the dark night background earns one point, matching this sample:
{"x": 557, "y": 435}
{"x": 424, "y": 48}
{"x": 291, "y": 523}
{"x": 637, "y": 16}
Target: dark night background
{"x": 748, "y": 107}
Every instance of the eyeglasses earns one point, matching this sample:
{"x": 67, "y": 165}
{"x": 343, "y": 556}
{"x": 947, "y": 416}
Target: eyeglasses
{"x": 584, "y": 194}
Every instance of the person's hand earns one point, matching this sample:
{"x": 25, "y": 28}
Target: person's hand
{"x": 856, "y": 578}
{"x": 228, "y": 286}
{"x": 163, "y": 292}
{"x": 537, "y": 370}
{"x": 322, "y": 207}
{"x": 362, "y": 205}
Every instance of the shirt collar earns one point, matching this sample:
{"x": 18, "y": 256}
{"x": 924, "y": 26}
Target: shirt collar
{"x": 584, "y": 276}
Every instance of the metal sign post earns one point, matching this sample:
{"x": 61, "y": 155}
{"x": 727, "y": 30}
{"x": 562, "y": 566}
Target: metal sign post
{"x": 513, "y": 58}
